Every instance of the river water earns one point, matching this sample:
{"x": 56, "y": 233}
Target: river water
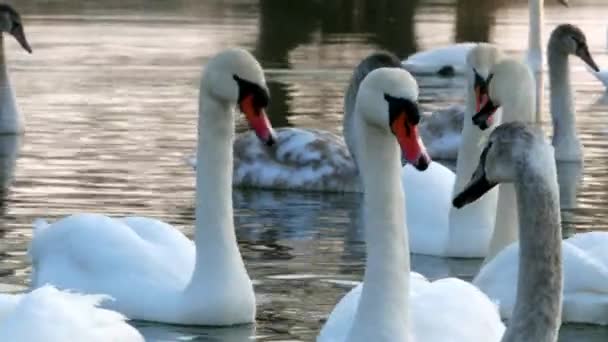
{"x": 110, "y": 100}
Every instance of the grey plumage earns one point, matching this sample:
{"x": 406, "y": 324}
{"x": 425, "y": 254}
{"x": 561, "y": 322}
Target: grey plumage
{"x": 518, "y": 153}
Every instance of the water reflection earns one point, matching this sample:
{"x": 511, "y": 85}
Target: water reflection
{"x": 474, "y": 27}
{"x": 156, "y": 333}
{"x": 110, "y": 101}
{"x": 9, "y": 150}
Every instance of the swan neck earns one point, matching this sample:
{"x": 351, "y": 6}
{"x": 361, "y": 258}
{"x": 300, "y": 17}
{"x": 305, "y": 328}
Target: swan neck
{"x": 10, "y": 120}
{"x": 470, "y": 148}
{"x": 477, "y": 218}
{"x": 383, "y": 302}
{"x": 507, "y": 221}
{"x": 349, "y": 108}
{"x": 535, "y": 31}
{"x": 217, "y": 252}
{"x": 348, "y": 124}
{"x": 2, "y": 57}
{"x": 537, "y": 312}
{"x": 562, "y": 106}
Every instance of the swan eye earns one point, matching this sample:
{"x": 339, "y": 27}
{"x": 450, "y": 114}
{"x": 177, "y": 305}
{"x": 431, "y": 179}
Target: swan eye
{"x": 398, "y": 106}
{"x": 261, "y": 99}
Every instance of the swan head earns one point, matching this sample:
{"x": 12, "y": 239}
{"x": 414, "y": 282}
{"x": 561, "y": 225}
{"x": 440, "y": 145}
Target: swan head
{"x": 10, "y": 22}
{"x": 235, "y": 77}
{"x": 480, "y": 60}
{"x": 510, "y": 83}
{"x": 509, "y": 146}
{"x": 388, "y": 100}
{"x": 568, "y": 39}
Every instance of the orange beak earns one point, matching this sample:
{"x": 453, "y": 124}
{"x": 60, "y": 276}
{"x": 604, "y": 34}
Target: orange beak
{"x": 258, "y": 121}
{"x": 480, "y": 99}
{"x": 412, "y": 147}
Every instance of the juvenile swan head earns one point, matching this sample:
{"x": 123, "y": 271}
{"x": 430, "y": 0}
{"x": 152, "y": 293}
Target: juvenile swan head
{"x": 234, "y": 76}
{"x": 510, "y": 84}
{"x": 387, "y": 100}
{"x": 10, "y": 22}
{"x": 510, "y": 146}
{"x": 567, "y": 39}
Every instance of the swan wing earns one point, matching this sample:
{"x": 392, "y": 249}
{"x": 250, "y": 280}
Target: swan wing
{"x": 427, "y": 204}
{"x": 47, "y": 314}
{"x": 94, "y": 253}
{"x": 443, "y": 310}
{"x": 301, "y": 159}
{"x": 453, "y": 310}
{"x": 585, "y": 283}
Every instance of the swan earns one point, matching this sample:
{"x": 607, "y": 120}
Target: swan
{"x": 151, "y": 269}
{"x": 390, "y": 304}
{"x": 435, "y": 227}
{"x": 47, "y": 314}
{"x": 565, "y": 40}
{"x": 451, "y": 59}
{"x": 316, "y": 160}
{"x": 10, "y": 120}
{"x": 510, "y": 84}
{"x": 585, "y": 271}
{"x": 516, "y": 153}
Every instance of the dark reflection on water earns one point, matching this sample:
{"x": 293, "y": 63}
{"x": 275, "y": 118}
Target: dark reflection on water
{"x": 109, "y": 98}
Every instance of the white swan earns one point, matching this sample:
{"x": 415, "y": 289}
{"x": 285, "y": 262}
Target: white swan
{"x": 392, "y": 305}
{"x": 435, "y": 228}
{"x": 150, "y": 268}
{"x": 452, "y": 58}
{"x": 565, "y": 40}
{"x": 47, "y": 314}
{"x": 511, "y": 83}
{"x": 316, "y": 160}
{"x": 10, "y": 120}
{"x": 516, "y": 153}
{"x": 585, "y": 273}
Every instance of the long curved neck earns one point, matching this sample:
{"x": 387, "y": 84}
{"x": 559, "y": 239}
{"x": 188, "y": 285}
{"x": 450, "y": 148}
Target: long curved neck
{"x": 368, "y": 65}
{"x": 535, "y": 30}
{"x": 537, "y": 312}
{"x": 507, "y": 223}
{"x": 348, "y": 123}
{"x": 217, "y": 253}
{"x": 562, "y": 105}
{"x": 10, "y": 121}
{"x": 535, "y": 51}
{"x": 382, "y": 313}
{"x": 478, "y": 217}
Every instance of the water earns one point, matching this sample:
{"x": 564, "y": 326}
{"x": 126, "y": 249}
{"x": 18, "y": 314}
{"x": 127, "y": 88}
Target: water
{"x": 109, "y": 98}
